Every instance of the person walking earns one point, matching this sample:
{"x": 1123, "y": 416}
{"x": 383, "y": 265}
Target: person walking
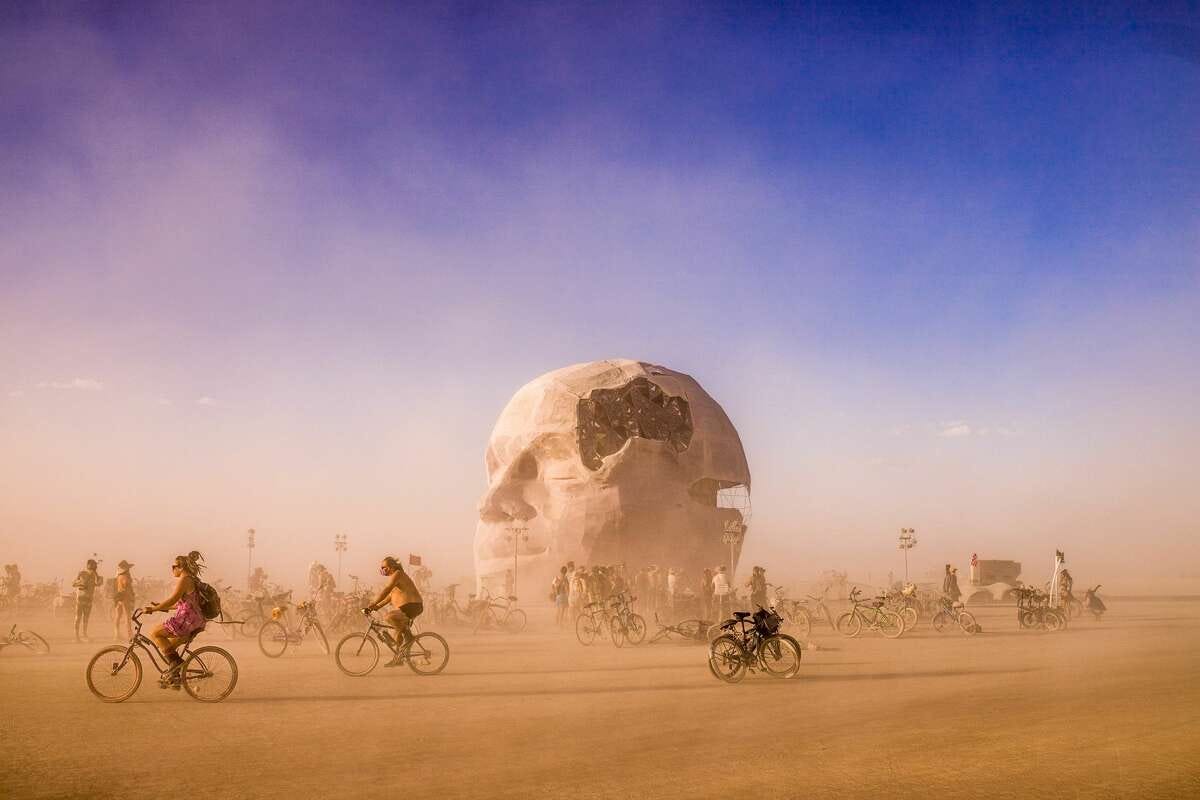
{"x": 85, "y": 585}
{"x": 123, "y": 600}
{"x": 577, "y": 598}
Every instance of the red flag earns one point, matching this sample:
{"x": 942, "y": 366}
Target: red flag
{"x": 974, "y": 560}
{"x": 414, "y": 561}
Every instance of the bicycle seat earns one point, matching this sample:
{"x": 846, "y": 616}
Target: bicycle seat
{"x": 512, "y": 597}
{"x": 741, "y": 614}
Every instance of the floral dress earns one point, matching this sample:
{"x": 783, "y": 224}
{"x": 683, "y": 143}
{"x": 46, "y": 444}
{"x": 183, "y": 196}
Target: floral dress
{"x": 187, "y": 617}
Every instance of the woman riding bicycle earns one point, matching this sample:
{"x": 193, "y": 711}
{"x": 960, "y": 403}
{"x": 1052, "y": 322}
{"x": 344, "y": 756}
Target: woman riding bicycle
{"x": 187, "y": 619}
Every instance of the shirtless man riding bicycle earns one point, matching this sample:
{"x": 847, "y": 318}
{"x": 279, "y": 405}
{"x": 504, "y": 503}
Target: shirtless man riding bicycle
{"x": 405, "y": 599}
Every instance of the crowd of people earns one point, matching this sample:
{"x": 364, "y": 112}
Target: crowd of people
{"x": 657, "y": 591}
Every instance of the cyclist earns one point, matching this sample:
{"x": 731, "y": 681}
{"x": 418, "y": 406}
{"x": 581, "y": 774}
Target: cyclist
{"x": 404, "y": 597}
{"x": 187, "y": 619}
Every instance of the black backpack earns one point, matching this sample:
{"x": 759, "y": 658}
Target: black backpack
{"x": 210, "y": 601}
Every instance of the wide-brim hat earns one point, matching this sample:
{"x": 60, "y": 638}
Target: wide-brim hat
{"x": 123, "y": 564}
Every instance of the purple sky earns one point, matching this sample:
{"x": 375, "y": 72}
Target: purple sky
{"x": 281, "y": 267}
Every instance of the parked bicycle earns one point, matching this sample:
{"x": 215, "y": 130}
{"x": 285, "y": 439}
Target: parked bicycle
{"x": 499, "y": 613}
{"x": 905, "y": 603}
{"x": 1034, "y": 611}
{"x": 752, "y": 642}
{"x": 207, "y": 674}
{"x": 357, "y": 654}
{"x": 450, "y": 612}
{"x": 592, "y": 622}
{"x": 801, "y": 614}
{"x": 278, "y": 632}
{"x": 256, "y": 609}
{"x": 624, "y": 625}
{"x": 872, "y": 614}
{"x": 27, "y": 639}
{"x": 954, "y": 613}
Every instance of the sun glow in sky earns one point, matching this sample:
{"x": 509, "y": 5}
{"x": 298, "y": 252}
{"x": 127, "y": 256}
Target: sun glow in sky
{"x": 281, "y": 266}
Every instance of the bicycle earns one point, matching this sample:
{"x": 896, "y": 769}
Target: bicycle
{"x": 257, "y": 609}
{"x": 904, "y": 602}
{"x": 624, "y": 625}
{"x": 1034, "y": 611}
{"x": 357, "y": 654}
{"x": 27, "y": 639}
{"x": 498, "y": 613}
{"x": 953, "y": 612}
{"x": 694, "y": 630}
{"x": 591, "y": 623}
{"x": 449, "y": 612}
{"x": 752, "y": 642}
{"x": 277, "y": 633}
{"x": 207, "y": 674}
{"x": 873, "y": 614}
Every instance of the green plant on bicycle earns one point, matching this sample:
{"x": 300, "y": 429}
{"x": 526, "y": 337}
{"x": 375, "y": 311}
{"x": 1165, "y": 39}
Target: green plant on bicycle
{"x": 207, "y": 674}
{"x": 357, "y": 654}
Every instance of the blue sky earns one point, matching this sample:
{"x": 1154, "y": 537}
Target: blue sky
{"x": 320, "y": 217}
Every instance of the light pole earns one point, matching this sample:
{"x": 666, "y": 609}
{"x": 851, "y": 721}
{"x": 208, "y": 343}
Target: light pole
{"x": 339, "y": 544}
{"x": 249, "y": 554}
{"x": 516, "y": 535}
{"x": 908, "y": 540}
{"x": 732, "y": 536}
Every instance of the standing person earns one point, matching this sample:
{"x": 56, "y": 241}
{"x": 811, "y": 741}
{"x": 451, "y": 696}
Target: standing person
{"x": 672, "y": 582}
{"x": 123, "y": 600}
{"x": 706, "y": 594}
{"x": 758, "y": 587}
{"x": 954, "y": 592}
{"x": 577, "y": 596}
{"x": 641, "y": 588}
{"x": 85, "y": 585}
{"x": 1065, "y": 584}
{"x": 721, "y": 590}
{"x": 946, "y": 582}
{"x": 187, "y": 619}
{"x": 402, "y": 593}
{"x": 560, "y": 591}
{"x": 13, "y": 587}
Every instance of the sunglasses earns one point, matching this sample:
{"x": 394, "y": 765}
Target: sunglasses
{"x": 176, "y": 566}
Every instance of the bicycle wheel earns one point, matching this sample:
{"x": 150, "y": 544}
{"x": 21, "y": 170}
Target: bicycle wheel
{"x": 616, "y": 631}
{"x": 967, "y": 620}
{"x": 849, "y": 624}
{"x": 514, "y": 621}
{"x": 272, "y": 639}
{"x": 356, "y": 654}
{"x": 635, "y": 629}
{"x": 940, "y": 620}
{"x": 585, "y": 629}
{"x": 428, "y": 654}
{"x": 209, "y": 674}
{"x": 34, "y": 642}
{"x": 909, "y": 615}
{"x": 251, "y": 624}
{"x": 801, "y": 623}
{"x": 726, "y": 659}
{"x": 779, "y": 656}
{"x": 114, "y": 673}
{"x": 1027, "y": 619}
{"x": 890, "y": 624}
{"x": 1053, "y": 621}
{"x": 318, "y": 635}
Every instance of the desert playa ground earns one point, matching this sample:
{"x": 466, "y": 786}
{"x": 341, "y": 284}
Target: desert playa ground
{"x": 1103, "y": 709}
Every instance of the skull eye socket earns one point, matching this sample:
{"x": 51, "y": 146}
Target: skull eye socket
{"x": 526, "y": 468}
{"x": 607, "y": 418}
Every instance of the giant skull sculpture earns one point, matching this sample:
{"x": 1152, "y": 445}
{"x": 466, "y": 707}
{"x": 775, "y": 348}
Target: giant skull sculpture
{"x": 608, "y": 462}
